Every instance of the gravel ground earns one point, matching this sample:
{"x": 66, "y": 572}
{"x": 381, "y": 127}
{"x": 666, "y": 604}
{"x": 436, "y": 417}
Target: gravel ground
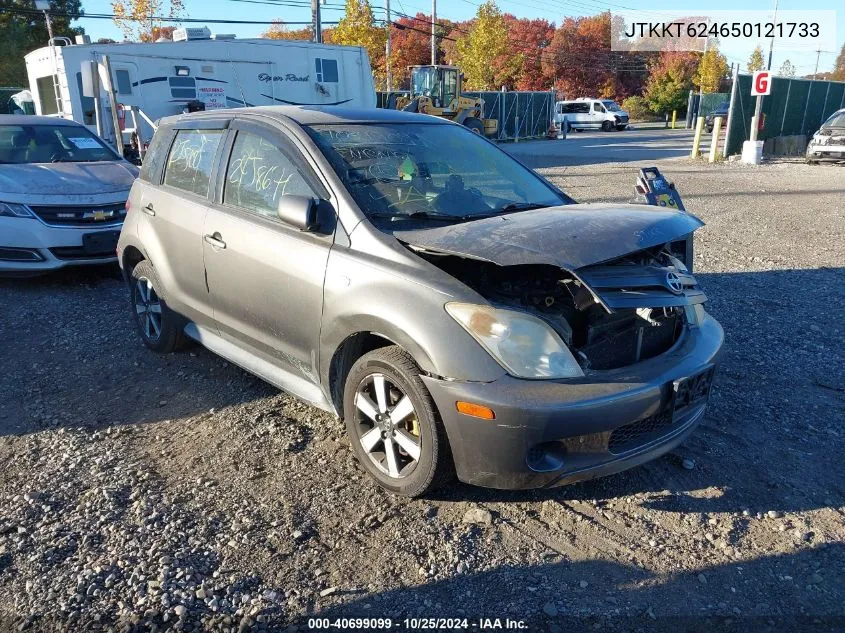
{"x": 177, "y": 492}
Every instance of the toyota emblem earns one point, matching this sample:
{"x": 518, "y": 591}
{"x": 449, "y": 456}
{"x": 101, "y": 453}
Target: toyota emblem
{"x": 673, "y": 282}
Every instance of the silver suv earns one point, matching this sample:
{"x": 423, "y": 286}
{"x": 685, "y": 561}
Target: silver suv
{"x": 460, "y": 313}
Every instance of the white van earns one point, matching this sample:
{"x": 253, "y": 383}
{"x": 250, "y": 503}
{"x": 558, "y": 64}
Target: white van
{"x": 585, "y": 113}
{"x": 203, "y": 71}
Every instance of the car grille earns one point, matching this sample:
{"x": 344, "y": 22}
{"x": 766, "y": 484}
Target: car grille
{"x": 640, "y": 432}
{"x": 626, "y": 342}
{"x": 78, "y": 252}
{"x": 623, "y": 118}
{"x": 81, "y": 215}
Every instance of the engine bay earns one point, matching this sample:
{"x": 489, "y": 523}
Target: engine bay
{"x": 601, "y": 338}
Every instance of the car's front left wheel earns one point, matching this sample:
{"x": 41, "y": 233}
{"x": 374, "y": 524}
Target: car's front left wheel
{"x": 393, "y": 424}
{"x": 157, "y": 324}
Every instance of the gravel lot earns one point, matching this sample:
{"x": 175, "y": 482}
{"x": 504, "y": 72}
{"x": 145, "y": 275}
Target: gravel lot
{"x": 178, "y": 492}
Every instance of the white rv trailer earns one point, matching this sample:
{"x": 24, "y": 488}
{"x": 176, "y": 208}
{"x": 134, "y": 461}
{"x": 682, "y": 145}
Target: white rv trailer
{"x": 152, "y": 80}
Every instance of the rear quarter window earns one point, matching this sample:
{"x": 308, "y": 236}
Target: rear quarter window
{"x": 156, "y": 153}
{"x": 191, "y": 160}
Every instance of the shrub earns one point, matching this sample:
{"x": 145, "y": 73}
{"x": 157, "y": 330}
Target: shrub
{"x": 637, "y": 108}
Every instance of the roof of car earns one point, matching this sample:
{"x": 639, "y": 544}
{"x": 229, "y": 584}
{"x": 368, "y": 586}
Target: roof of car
{"x": 31, "y": 119}
{"x": 314, "y": 115}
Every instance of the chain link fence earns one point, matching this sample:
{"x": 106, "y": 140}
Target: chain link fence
{"x": 702, "y": 105}
{"x": 796, "y": 107}
{"x": 521, "y": 115}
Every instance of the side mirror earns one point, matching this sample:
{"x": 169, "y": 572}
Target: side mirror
{"x": 300, "y": 212}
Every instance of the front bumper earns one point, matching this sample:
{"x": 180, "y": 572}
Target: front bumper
{"x": 826, "y": 152}
{"x": 28, "y": 246}
{"x": 549, "y": 433}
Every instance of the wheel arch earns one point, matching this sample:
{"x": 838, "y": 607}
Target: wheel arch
{"x": 354, "y": 347}
{"x": 130, "y": 258}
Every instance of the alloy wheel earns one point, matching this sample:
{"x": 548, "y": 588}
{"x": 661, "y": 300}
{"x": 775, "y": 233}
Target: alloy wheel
{"x": 148, "y": 308}
{"x": 387, "y": 425}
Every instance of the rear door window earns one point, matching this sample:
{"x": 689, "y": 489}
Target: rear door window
{"x": 191, "y": 160}
{"x": 259, "y": 174}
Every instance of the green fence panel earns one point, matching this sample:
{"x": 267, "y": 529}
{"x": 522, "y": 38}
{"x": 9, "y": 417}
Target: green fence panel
{"x": 712, "y": 100}
{"x": 795, "y": 107}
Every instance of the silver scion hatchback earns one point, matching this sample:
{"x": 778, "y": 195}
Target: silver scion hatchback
{"x": 460, "y": 313}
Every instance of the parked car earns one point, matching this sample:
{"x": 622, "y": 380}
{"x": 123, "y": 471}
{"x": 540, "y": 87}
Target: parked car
{"x": 459, "y": 312}
{"x": 62, "y": 195}
{"x": 720, "y": 111}
{"x": 583, "y": 114}
{"x": 828, "y": 144}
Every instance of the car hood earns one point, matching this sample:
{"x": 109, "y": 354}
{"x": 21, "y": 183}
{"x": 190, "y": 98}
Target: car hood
{"x": 67, "y": 178}
{"x": 567, "y": 236}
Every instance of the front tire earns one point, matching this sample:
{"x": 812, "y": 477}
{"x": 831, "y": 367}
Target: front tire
{"x": 606, "y": 126}
{"x": 393, "y": 424}
{"x": 157, "y": 324}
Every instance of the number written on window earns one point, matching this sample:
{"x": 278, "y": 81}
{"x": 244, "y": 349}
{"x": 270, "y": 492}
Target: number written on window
{"x": 191, "y": 159}
{"x": 259, "y": 173}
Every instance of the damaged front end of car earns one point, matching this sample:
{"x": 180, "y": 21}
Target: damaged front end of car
{"x": 611, "y": 308}
{"x": 610, "y": 315}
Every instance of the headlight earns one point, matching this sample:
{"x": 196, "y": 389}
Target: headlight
{"x": 13, "y": 210}
{"x": 524, "y": 345}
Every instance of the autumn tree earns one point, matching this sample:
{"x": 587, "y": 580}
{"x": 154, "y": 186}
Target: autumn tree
{"x": 279, "y": 31}
{"x": 141, "y": 19}
{"x": 448, "y": 44}
{"x": 839, "y": 66}
{"x": 578, "y": 59}
{"x": 480, "y": 48}
{"x": 670, "y": 80}
{"x": 528, "y": 38}
{"x": 358, "y": 28}
{"x": 24, "y": 30}
{"x": 712, "y": 69}
{"x": 787, "y": 69}
{"x": 410, "y": 46}
{"x": 755, "y": 61}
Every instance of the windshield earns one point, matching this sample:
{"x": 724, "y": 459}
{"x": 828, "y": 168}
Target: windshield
{"x": 837, "y": 120}
{"x": 415, "y": 172}
{"x": 22, "y": 144}
{"x": 612, "y": 106}
{"x": 425, "y": 82}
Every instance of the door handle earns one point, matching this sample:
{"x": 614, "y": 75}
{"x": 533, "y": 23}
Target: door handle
{"x": 149, "y": 210}
{"x": 215, "y": 240}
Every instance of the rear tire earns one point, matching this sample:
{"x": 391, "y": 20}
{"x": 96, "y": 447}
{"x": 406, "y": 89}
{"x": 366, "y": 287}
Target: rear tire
{"x": 407, "y": 454}
{"x": 474, "y": 125}
{"x": 158, "y": 325}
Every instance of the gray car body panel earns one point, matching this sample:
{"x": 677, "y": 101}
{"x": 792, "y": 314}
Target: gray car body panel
{"x": 365, "y": 280}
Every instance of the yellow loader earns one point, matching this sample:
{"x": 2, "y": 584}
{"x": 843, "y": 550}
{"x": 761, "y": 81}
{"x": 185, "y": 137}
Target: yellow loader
{"x": 436, "y": 90}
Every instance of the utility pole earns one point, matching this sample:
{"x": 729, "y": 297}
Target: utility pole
{"x": 433, "y": 27}
{"x": 316, "y": 23}
{"x": 389, "y": 78}
{"x": 816, "y": 71}
{"x": 772, "y": 42}
{"x": 44, "y": 7}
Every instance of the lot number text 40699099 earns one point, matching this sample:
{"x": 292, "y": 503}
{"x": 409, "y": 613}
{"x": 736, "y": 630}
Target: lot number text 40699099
{"x": 417, "y": 624}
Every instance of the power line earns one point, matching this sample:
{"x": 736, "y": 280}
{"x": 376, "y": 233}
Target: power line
{"x": 111, "y": 16}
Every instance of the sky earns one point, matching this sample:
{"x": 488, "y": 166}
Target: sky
{"x": 555, "y": 11}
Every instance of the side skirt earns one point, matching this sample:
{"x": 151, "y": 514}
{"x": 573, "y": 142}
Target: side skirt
{"x": 276, "y": 376}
